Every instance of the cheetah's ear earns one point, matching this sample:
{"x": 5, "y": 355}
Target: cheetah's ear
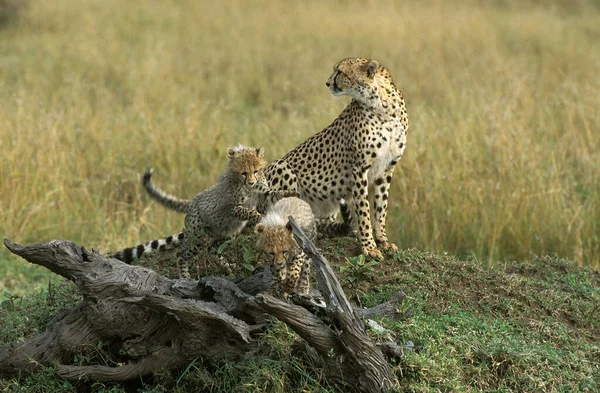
{"x": 259, "y": 227}
{"x": 230, "y": 152}
{"x": 260, "y": 152}
{"x": 372, "y": 68}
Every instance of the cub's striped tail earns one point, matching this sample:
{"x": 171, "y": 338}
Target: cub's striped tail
{"x": 128, "y": 255}
{"x": 167, "y": 200}
{"x": 327, "y": 228}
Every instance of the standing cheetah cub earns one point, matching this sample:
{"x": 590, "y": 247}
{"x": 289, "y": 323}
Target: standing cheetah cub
{"x": 221, "y": 211}
{"x": 355, "y": 156}
{"x": 290, "y": 265}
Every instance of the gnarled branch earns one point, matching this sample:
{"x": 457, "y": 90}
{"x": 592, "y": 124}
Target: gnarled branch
{"x": 157, "y": 322}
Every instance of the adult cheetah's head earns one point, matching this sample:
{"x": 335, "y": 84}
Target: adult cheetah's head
{"x": 246, "y": 162}
{"x": 354, "y": 77}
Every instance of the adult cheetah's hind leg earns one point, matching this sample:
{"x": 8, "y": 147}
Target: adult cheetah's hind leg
{"x": 382, "y": 187}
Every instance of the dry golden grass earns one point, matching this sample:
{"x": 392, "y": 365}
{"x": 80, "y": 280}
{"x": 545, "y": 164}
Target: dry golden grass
{"x": 503, "y": 97}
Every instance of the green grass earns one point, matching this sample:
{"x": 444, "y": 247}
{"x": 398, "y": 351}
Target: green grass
{"x": 532, "y": 326}
{"x": 24, "y": 317}
{"x": 20, "y": 277}
{"x": 502, "y": 97}
{"x": 502, "y": 165}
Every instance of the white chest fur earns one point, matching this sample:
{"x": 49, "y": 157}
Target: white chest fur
{"x": 393, "y": 142}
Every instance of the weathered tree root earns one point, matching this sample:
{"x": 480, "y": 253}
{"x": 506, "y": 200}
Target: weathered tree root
{"x": 157, "y": 323}
{"x": 366, "y": 368}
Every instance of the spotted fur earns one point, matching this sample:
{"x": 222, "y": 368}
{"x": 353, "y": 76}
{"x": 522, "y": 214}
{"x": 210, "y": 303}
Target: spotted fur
{"x": 221, "y": 211}
{"x": 355, "y": 156}
{"x": 328, "y": 227}
{"x": 290, "y": 265}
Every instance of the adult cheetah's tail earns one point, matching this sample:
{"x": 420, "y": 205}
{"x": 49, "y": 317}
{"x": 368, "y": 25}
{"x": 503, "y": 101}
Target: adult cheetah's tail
{"x": 327, "y": 228}
{"x": 128, "y": 255}
{"x": 167, "y": 200}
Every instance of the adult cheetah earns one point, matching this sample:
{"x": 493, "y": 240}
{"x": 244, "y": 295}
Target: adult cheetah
{"x": 355, "y": 155}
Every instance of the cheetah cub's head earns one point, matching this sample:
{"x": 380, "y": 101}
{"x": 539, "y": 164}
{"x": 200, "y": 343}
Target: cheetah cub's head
{"x": 247, "y": 162}
{"x": 275, "y": 239}
{"x": 354, "y": 77}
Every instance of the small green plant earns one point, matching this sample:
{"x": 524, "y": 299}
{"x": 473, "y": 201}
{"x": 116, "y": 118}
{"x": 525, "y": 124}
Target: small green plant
{"x": 249, "y": 256}
{"x": 358, "y": 269}
{"x": 10, "y": 301}
{"x": 243, "y": 247}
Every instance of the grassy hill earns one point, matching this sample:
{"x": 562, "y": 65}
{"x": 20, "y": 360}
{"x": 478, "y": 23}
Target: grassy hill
{"x": 502, "y": 97}
{"x": 501, "y": 165}
{"x": 522, "y": 327}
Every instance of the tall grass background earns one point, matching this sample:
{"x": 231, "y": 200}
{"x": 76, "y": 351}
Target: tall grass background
{"x": 503, "y": 97}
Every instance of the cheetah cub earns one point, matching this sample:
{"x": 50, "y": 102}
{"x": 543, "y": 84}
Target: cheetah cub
{"x": 221, "y": 211}
{"x": 355, "y": 156}
{"x": 290, "y": 265}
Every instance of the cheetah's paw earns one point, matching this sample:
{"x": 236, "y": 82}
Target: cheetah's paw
{"x": 373, "y": 253}
{"x": 389, "y": 247}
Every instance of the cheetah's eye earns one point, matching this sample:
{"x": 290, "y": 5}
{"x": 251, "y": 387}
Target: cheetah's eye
{"x": 285, "y": 253}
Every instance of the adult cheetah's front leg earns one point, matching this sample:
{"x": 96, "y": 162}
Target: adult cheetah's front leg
{"x": 363, "y": 213}
{"x": 382, "y": 187}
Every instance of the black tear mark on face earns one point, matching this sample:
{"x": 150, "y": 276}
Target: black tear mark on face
{"x": 336, "y": 88}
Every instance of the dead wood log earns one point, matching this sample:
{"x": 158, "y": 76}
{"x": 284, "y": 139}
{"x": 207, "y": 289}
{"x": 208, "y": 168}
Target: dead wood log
{"x": 389, "y": 309}
{"x": 364, "y": 367}
{"x": 155, "y": 322}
